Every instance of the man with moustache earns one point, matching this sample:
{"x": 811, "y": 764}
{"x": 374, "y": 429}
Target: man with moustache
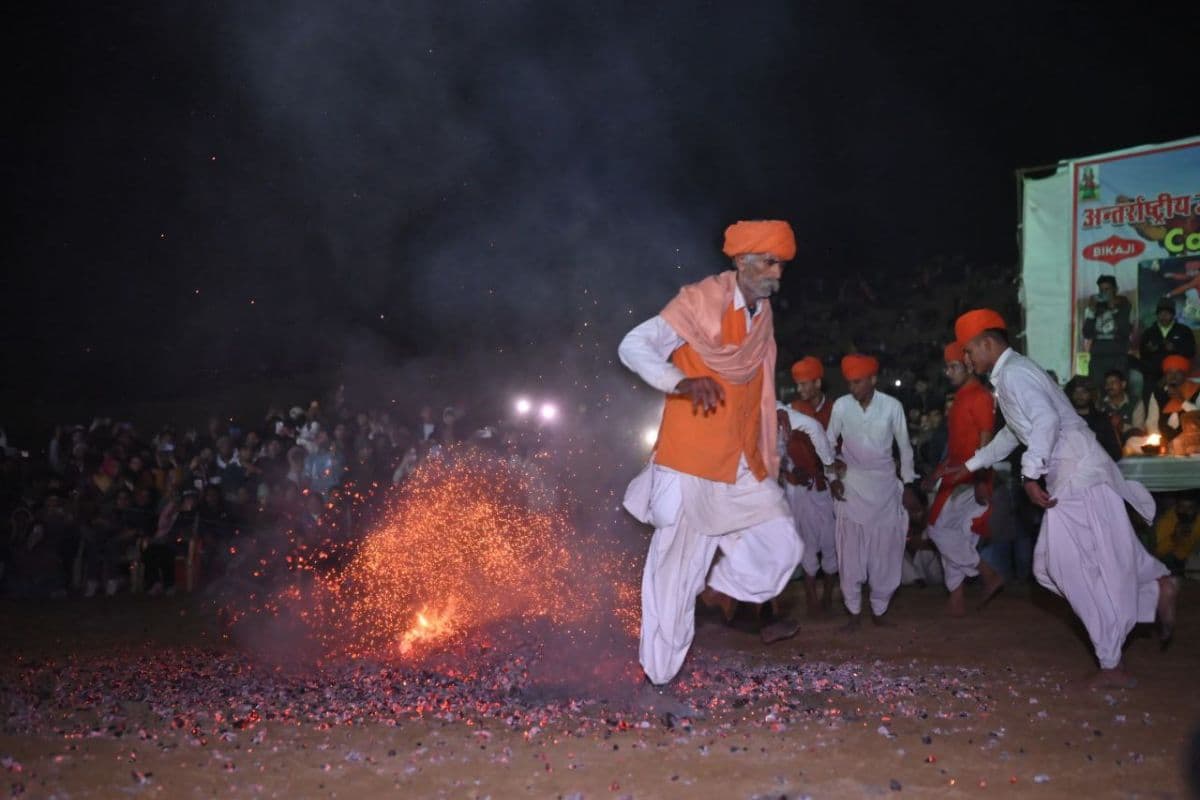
{"x": 712, "y": 481}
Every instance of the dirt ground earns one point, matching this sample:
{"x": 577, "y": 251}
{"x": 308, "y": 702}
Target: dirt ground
{"x": 933, "y": 707}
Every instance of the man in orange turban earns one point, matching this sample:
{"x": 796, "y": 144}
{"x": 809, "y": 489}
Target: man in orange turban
{"x": 711, "y": 485}
{"x": 871, "y": 523}
{"x": 958, "y": 514}
{"x": 1173, "y": 396}
{"x": 806, "y": 486}
{"x": 1086, "y": 550}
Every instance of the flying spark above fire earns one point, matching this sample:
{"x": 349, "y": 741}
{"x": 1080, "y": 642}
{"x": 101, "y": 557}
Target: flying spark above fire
{"x": 471, "y": 549}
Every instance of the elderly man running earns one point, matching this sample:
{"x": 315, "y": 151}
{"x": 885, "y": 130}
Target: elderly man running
{"x": 711, "y": 484}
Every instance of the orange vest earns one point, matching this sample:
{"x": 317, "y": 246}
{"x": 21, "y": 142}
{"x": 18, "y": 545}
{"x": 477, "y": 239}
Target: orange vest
{"x": 711, "y": 446}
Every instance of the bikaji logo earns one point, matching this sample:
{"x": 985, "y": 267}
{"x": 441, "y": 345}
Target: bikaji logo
{"x": 1113, "y": 249}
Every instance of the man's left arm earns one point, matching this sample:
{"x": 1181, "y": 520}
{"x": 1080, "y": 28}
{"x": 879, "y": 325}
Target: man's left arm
{"x": 1044, "y": 424}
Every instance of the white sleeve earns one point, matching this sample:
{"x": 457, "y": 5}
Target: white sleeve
{"x": 806, "y": 424}
{"x": 647, "y": 351}
{"x": 995, "y": 451}
{"x": 1044, "y": 425}
{"x": 900, "y": 430}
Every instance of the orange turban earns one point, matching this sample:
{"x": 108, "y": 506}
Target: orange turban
{"x": 954, "y": 352}
{"x": 973, "y": 323}
{"x": 807, "y": 369}
{"x": 1176, "y": 363}
{"x": 760, "y": 236}
{"x": 856, "y": 366}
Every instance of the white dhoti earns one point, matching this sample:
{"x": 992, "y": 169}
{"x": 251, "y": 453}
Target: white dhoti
{"x": 870, "y": 532}
{"x": 1087, "y": 551}
{"x": 957, "y": 544}
{"x": 815, "y": 522}
{"x": 748, "y": 520}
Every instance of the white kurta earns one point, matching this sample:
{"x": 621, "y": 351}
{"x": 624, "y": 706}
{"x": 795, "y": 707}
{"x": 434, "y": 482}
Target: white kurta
{"x": 1087, "y": 551}
{"x": 748, "y": 521}
{"x": 957, "y": 544}
{"x": 871, "y": 523}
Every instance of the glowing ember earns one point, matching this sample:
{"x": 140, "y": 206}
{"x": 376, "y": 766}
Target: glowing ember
{"x": 471, "y": 549}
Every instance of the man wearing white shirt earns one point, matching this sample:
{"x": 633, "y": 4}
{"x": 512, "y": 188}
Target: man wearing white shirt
{"x": 711, "y": 484}
{"x": 871, "y": 521}
{"x": 1086, "y": 551}
{"x": 806, "y": 486}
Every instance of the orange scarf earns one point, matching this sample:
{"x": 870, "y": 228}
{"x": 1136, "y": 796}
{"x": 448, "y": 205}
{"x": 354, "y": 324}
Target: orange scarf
{"x": 695, "y": 314}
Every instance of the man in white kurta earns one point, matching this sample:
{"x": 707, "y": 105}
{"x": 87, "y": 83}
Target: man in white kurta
{"x": 807, "y": 486}
{"x": 871, "y": 521}
{"x": 704, "y": 489}
{"x": 1086, "y": 551}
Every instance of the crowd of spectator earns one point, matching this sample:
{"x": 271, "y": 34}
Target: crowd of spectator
{"x": 107, "y": 508}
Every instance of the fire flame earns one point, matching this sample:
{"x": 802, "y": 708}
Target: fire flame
{"x": 430, "y": 626}
{"x": 470, "y": 548}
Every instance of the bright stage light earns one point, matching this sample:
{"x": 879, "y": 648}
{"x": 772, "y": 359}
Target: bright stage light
{"x": 548, "y": 412}
{"x": 523, "y": 406}
{"x": 650, "y": 437}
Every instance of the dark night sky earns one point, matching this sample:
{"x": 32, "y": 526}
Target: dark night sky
{"x": 474, "y": 179}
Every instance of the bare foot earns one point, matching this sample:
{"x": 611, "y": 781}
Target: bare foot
{"x": 993, "y": 582}
{"x": 1168, "y": 593}
{"x": 779, "y": 630}
{"x": 1115, "y": 678}
{"x": 853, "y": 625}
{"x": 714, "y": 599}
{"x": 956, "y": 606}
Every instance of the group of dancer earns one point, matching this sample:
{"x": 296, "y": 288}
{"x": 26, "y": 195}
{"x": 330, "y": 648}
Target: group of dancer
{"x": 726, "y": 530}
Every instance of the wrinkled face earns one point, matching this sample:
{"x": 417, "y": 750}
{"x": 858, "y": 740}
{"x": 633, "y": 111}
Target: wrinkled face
{"x": 862, "y": 389}
{"x": 957, "y": 373}
{"x": 1165, "y": 318}
{"x": 759, "y": 275}
{"x": 809, "y": 391}
{"x": 1114, "y": 387}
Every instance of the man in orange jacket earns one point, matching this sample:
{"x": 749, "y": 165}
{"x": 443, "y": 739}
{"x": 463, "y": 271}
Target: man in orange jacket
{"x": 711, "y": 484}
{"x": 959, "y": 514}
